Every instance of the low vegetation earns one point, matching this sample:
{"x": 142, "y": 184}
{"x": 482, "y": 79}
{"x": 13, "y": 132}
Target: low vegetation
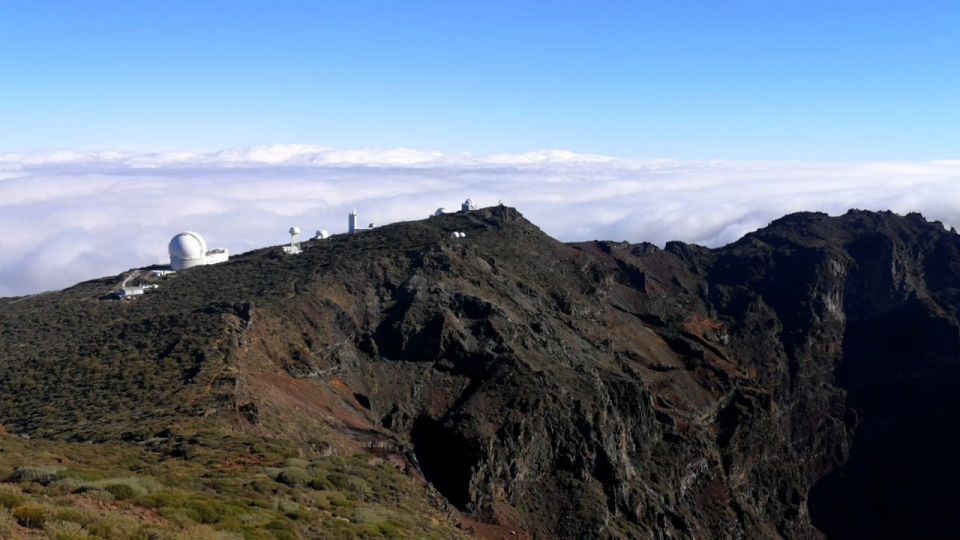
{"x": 76, "y": 491}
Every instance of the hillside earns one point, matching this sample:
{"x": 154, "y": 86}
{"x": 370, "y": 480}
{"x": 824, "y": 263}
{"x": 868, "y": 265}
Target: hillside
{"x": 401, "y": 382}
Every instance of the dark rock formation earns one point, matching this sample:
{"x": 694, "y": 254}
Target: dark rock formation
{"x": 798, "y": 382}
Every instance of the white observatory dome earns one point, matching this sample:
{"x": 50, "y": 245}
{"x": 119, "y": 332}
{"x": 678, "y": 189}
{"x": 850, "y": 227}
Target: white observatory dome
{"x": 187, "y": 249}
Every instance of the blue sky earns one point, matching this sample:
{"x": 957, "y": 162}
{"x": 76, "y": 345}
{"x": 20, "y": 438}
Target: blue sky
{"x": 810, "y": 80}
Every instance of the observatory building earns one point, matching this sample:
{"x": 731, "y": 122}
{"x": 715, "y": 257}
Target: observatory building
{"x": 468, "y": 206}
{"x": 189, "y": 249}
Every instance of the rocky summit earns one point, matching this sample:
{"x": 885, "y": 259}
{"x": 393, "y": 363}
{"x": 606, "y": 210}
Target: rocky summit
{"x": 408, "y": 382}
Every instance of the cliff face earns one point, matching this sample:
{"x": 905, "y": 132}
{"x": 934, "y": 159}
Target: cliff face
{"x": 795, "y": 383}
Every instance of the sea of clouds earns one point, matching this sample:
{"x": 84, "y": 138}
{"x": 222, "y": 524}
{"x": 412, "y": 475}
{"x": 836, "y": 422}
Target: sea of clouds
{"x": 70, "y": 216}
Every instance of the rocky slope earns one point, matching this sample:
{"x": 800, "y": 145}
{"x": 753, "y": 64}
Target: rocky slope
{"x": 797, "y": 383}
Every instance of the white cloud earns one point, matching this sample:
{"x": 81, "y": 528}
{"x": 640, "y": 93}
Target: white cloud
{"x": 68, "y": 216}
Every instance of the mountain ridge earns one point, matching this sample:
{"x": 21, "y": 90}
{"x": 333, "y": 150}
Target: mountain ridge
{"x": 560, "y": 390}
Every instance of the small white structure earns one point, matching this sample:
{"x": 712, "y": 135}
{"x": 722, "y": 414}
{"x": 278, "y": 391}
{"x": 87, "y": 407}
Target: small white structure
{"x": 161, "y": 273}
{"x": 322, "y": 234}
{"x": 128, "y": 292}
{"x": 294, "y": 247}
{"x": 189, "y": 249}
{"x": 440, "y": 211}
{"x": 458, "y": 234}
{"x": 468, "y": 206}
{"x": 217, "y": 255}
{"x": 352, "y": 222}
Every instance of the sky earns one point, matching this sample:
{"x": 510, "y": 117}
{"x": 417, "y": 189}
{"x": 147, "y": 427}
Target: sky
{"x": 125, "y": 122}
{"x": 812, "y": 80}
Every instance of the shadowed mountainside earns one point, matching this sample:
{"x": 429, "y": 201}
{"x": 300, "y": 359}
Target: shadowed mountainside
{"x": 795, "y": 383}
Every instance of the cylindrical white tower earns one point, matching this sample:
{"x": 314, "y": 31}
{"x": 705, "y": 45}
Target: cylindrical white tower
{"x": 352, "y": 223}
{"x": 294, "y": 237}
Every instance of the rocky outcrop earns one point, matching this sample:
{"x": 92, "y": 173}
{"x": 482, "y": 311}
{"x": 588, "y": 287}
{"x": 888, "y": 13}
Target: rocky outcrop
{"x": 606, "y": 389}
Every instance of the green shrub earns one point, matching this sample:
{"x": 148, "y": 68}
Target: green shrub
{"x": 294, "y": 476}
{"x": 32, "y": 516}
{"x": 282, "y": 529}
{"x": 201, "y": 532}
{"x": 111, "y": 489}
{"x": 321, "y": 483}
{"x": 104, "y": 529}
{"x": 340, "y": 481}
{"x": 122, "y": 492}
{"x": 74, "y": 515}
{"x": 65, "y": 530}
{"x": 348, "y": 483}
{"x": 98, "y": 495}
{"x": 203, "y": 511}
{"x": 81, "y": 476}
{"x": 285, "y": 505}
{"x": 262, "y": 485}
{"x": 10, "y": 498}
{"x": 7, "y": 524}
{"x": 296, "y": 462}
{"x": 257, "y": 534}
{"x": 40, "y": 475}
{"x": 391, "y": 529}
{"x": 118, "y": 526}
{"x": 176, "y": 516}
{"x": 162, "y": 499}
{"x": 341, "y": 502}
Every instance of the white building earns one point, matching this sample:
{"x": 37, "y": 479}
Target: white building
{"x": 189, "y": 249}
{"x": 217, "y": 255}
{"x": 467, "y": 206}
{"x": 130, "y": 292}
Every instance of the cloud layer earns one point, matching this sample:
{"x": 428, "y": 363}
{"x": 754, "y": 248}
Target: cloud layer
{"x": 70, "y": 216}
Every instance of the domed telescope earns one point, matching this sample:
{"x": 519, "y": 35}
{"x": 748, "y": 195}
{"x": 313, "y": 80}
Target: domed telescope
{"x": 189, "y": 249}
{"x": 468, "y": 206}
